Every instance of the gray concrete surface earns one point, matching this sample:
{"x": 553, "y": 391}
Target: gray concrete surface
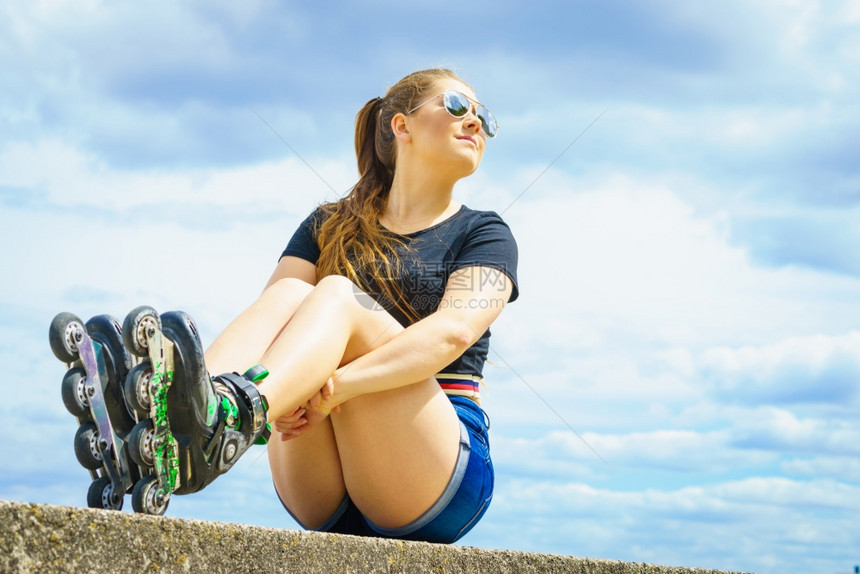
{"x": 42, "y": 538}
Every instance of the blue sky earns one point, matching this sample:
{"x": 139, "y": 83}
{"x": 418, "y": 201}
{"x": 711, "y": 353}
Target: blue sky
{"x": 689, "y": 272}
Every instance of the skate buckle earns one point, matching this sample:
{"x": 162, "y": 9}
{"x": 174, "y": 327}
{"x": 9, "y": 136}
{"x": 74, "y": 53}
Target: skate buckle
{"x": 256, "y": 374}
{"x": 111, "y": 447}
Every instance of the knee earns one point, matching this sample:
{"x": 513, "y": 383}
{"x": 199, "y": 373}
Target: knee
{"x": 335, "y": 282}
{"x": 338, "y": 286}
{"x": 341, "y": 291}
{"x": 289, "y": 287}
{"x": 284, "y": 294}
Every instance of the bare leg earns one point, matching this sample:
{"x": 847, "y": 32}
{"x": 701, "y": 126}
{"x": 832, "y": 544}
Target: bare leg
{"x": 248, "y": 337}
{"x": 329, "y": 328}
{"x": 315, "y": 489}
{"x": 308, "y": 475}
{"x": 398, "y": 450}
{"x": 394, "y": 451}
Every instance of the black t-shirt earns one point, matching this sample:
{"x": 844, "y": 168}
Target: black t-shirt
{"x": 466, "y": 239}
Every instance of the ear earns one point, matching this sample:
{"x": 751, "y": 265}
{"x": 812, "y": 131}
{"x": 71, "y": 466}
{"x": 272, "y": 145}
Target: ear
{"x": 400, "y": 127}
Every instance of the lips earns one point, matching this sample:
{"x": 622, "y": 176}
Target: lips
{"x": 468, "y": 138}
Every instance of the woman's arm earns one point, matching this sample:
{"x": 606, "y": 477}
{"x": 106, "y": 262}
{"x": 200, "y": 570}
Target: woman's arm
{"x": 474, "y": 297}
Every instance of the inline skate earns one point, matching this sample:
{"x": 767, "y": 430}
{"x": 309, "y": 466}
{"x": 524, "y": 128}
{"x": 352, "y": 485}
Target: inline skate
{"x": 173, "y": 428}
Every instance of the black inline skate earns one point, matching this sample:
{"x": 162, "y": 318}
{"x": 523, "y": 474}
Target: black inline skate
{"x": 190, "y": 428}
{"x": 92, "y": 391}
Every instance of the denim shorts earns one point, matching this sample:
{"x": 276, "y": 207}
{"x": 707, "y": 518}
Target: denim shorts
{"x": 463, "y": 502}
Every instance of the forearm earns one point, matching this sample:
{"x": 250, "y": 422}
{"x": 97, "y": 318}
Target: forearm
{"x": 417, "y": 353}
{"x": 428, "y": 346}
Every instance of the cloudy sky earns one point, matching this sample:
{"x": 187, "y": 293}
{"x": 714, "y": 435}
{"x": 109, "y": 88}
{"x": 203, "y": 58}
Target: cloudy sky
{"x": 680, "y": 380}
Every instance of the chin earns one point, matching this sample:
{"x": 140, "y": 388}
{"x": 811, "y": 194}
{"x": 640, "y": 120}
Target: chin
{"x": 468, "y": 164}
{"x": 466, "y": 169}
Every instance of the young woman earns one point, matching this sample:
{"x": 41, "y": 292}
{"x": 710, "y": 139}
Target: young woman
{"x": 374, "y": 328}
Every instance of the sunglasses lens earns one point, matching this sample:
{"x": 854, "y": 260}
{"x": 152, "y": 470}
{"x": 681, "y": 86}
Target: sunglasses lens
{"x": 457, "y": 104}
{"x": 488, "y": 122}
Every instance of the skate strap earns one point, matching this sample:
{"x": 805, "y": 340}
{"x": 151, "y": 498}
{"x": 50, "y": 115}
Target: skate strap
{"x": 256, "y": 373}
{"x": 216, "y": 437}
{"x": 251, "y": 401}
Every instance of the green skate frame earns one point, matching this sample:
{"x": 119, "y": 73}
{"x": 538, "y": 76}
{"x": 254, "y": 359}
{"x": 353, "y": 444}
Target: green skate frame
{"x": 166, "y": 451}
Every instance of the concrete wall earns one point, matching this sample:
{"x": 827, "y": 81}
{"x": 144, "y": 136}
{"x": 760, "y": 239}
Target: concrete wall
{"x": 41, "y": 538}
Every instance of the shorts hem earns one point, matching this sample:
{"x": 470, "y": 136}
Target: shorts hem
{"x": 444, "y": 499}
{"x": 325, "y": 526}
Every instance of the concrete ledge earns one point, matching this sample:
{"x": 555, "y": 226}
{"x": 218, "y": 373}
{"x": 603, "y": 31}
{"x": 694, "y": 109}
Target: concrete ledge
{"x": 42, "y": 538}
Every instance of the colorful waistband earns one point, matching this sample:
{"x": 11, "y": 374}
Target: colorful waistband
{"x": 460, "y": 385}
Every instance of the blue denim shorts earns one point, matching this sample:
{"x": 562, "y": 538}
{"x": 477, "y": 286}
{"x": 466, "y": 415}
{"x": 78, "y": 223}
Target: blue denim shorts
{"x": 463, "y": 502}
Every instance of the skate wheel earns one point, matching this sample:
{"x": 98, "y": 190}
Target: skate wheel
{"x": 87, "y": 446}
{"x": 140, "y": 446}
{"x": 74, "y": 391}
{"x": 135, "y": 326}
{"x": 136, "y": 388}
{"x": 146, "y": 499}
{"x": 101, "y": 495}
{"x": 61, "y": 335}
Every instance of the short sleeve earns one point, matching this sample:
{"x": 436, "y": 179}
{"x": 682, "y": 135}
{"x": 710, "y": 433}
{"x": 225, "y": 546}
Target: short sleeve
{"x": 303, "y": 243}
{"x": 490, "y": 243}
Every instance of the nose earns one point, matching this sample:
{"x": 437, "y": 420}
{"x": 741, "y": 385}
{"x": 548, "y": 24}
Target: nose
{"x": 471, "y": 120}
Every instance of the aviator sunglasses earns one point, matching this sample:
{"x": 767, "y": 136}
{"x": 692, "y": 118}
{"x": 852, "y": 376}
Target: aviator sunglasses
{"x": 458, "y": 105}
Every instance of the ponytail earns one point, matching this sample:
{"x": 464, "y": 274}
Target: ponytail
{"x": 372, "y": 144}
{"x": 350, "y": 237}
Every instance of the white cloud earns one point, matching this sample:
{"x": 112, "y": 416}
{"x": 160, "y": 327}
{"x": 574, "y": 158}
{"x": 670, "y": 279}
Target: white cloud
{"x": 95, "y": 31}
{"x": 117, "y": 239}
{"x": 563, "y": 455}
{"x": 833, "y": 467}
{"x": 760, "y": 524}
{"x": 815, "y": 368}
{"x": 634, "y": 262}
{"x": 621, "y": 250}
{"x": 780, "y": 430}
{"x": 70, "y": 177}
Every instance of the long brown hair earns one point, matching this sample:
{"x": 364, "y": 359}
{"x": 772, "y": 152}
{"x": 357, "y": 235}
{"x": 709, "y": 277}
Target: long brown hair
{"x": 350, "y": 236}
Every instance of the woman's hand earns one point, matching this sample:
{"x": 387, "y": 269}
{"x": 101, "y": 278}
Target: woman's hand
{"x": 316, "y": 410}
{"x": 322, "y": 404}
{"x": 290, "y": 425}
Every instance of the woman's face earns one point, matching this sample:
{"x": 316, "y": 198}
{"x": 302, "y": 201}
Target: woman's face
{"x": 438, "y": 136}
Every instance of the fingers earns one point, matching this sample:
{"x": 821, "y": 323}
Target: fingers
{"x": 328, "y": 389}
{"x": 294, "y": 416}
{"x": 291, "y": 434}
{"x": 291, "y": 422}
{"x": 311, "y": 413}
{"x": 282, "y": 426}
{"x": 323, "y": 394}
{"x": 285, "y": 427}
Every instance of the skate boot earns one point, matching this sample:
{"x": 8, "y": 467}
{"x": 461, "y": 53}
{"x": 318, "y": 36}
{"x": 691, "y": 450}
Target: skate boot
{"x": 92, "y": 392}
{"x": 197, "y": 427}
